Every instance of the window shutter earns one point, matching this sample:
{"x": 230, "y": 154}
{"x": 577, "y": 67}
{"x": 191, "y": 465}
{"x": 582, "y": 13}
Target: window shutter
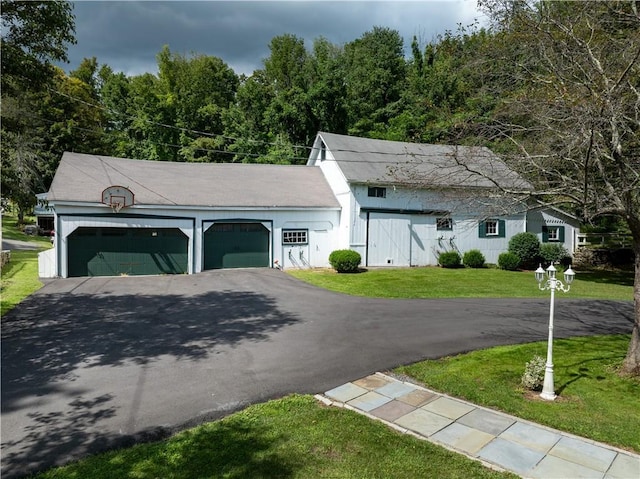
{"x": 482, "y": 230}
{"x": 501, "y": 228}
{"x": 545, "y": 234}
{"x": 561, "y": 234}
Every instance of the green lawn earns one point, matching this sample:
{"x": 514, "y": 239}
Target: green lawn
{"x": 19, "y": 279}
{"x": 434, "y": 282}
{"x": 20, "y": 275}
{"x": 594, "y": 401}
{"x": 10, "y": 230}
{"x": 293, "y": 437}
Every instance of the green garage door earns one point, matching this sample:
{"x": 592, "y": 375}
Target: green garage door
{"x": 236, "y": 245}
{"x": 127, "y": 251}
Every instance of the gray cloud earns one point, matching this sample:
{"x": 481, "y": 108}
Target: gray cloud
{"x": 127, "y": 35}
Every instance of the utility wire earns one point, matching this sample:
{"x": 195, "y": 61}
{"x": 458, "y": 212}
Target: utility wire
{"x": 259, "y": 142}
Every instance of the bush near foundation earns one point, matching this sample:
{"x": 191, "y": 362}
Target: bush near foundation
{"x": 527, "y": 247}
{"x": 449, "y": 259}
{"x": 345, "y": 260}
{"x": 508, "y": 261}
{"x": 473, "y": 259}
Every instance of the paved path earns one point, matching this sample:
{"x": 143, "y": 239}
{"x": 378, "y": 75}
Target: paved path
{"x": 498, "y": 440}
{"x": 93, "y": 363}
{"x": 9, "y": 244}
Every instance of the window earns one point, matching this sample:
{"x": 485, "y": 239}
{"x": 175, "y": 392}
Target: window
{"x": 377, "y": 192}
{"x": 444, "y": 224}
{"x": 295, "y": 236}
{"x": 491, "y": 229}
{"x": 551, "y": 234}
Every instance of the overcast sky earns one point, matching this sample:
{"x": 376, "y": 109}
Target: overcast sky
{"x": 127, "y": 35}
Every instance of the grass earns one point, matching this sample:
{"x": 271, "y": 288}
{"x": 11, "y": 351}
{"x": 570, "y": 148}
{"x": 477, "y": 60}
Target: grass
{"x": 293, "y": 437}
{"x": 20, "y": 275}
{"x": 594, "y": 401}
{"x": 434, "y": 282}
{"x": 11, "y": 230}
{"x": 19, "y": 279}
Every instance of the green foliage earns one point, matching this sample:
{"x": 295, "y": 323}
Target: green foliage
{"x": 34, "y": 34}
{"x": 533, "y": 377}
{"x": 509, "y": 261}
{"x": 449, "y": 259}
{"x": 473, "y": 259}
{"x": 525, "y": 246}
{"x": 345, "y": 260}
{"x": 554, "y": 253}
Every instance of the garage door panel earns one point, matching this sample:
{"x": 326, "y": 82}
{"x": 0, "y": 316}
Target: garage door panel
{"x": 127, "y": 251}
{"x": 236, "y": 245}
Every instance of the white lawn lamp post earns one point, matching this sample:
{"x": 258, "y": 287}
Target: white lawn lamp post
{"x": 551, "y": 284}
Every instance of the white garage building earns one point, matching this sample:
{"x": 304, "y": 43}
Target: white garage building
{"x": 116, "y": 216}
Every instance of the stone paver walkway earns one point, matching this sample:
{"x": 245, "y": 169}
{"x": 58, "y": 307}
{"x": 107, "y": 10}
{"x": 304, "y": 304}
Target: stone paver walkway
{"x": 498, "y": 440}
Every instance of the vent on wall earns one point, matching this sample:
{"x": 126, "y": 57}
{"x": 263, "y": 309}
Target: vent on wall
{"x": 389, "y": 261}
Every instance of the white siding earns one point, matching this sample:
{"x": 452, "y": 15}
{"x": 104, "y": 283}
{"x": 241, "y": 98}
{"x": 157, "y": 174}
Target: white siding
{"x": 321, "y": 224}
{"x": 537, "y": 219}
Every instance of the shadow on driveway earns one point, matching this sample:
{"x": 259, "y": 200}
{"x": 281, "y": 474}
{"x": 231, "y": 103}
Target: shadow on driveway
{"x": 41, "y": 354}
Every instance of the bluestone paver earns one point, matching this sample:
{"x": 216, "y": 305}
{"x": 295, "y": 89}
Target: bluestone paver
{"x": 418, "y": 397}
{"x": 374, "y": 381}
{"x": 423, "y": 422}
{"x": 369, "y": 401}
{"x": 395, "y": 389}
{"x": 448, "y": 407}
{"x": 463, "y": 438}
{"x": 346, "y": 392}
{"x": 552, "y": 467}
{"x": 532, "y": 436}
{"x": 511, "y": 456}
{"x": 392, "y": 410}
{"x": 623, "y": 467}
{"x": 582, "y": 452}
{"x": 487, "y": 421}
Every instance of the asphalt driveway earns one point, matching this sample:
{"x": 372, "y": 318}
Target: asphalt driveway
{"x": 90, "y": 364}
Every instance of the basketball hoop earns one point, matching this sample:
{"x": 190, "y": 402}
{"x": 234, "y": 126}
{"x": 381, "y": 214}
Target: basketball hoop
{"x": 117, "y": 197}
{"x": 116, "y": 206}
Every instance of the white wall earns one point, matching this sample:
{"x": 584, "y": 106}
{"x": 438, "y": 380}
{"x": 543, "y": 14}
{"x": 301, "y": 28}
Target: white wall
{"x": 403, "y": 232}
{"x": 321, "y": 224}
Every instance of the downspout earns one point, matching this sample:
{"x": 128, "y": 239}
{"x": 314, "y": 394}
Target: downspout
{"x": 366, "y": 246}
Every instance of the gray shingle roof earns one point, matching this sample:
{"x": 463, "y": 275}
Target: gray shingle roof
{"x": 364, "y": 160}
{"x": 82, "y": 178}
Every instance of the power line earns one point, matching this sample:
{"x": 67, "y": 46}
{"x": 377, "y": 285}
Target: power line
{"x": 251, "y": 140}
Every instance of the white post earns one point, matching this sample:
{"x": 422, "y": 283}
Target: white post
{"x": 548, "y": 392}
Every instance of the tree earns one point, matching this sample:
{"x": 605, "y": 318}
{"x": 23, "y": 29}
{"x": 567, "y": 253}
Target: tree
{"x": 375, "y": 71}
{"x": 572, "y": 124}
{"x": 34, "y": 34}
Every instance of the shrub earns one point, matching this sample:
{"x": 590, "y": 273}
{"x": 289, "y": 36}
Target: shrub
{"x": 554, "y": 253}
{"x": 533, "y": 377}
{"x": 345, "y": 260}
{"x": 449, "y": 259}
{"x": 473, "y": 259}
{"x": 527, "y": 247}
{"x": 508, "y": 261}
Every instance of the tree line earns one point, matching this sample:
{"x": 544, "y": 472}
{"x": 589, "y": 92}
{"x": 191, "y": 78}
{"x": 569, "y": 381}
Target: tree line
{"x": 553, "y": 87}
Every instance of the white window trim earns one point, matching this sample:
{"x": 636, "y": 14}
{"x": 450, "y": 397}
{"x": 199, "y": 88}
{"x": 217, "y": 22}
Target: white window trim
{"x": 295, "y": 236}
{"x": 495, "y": 226}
